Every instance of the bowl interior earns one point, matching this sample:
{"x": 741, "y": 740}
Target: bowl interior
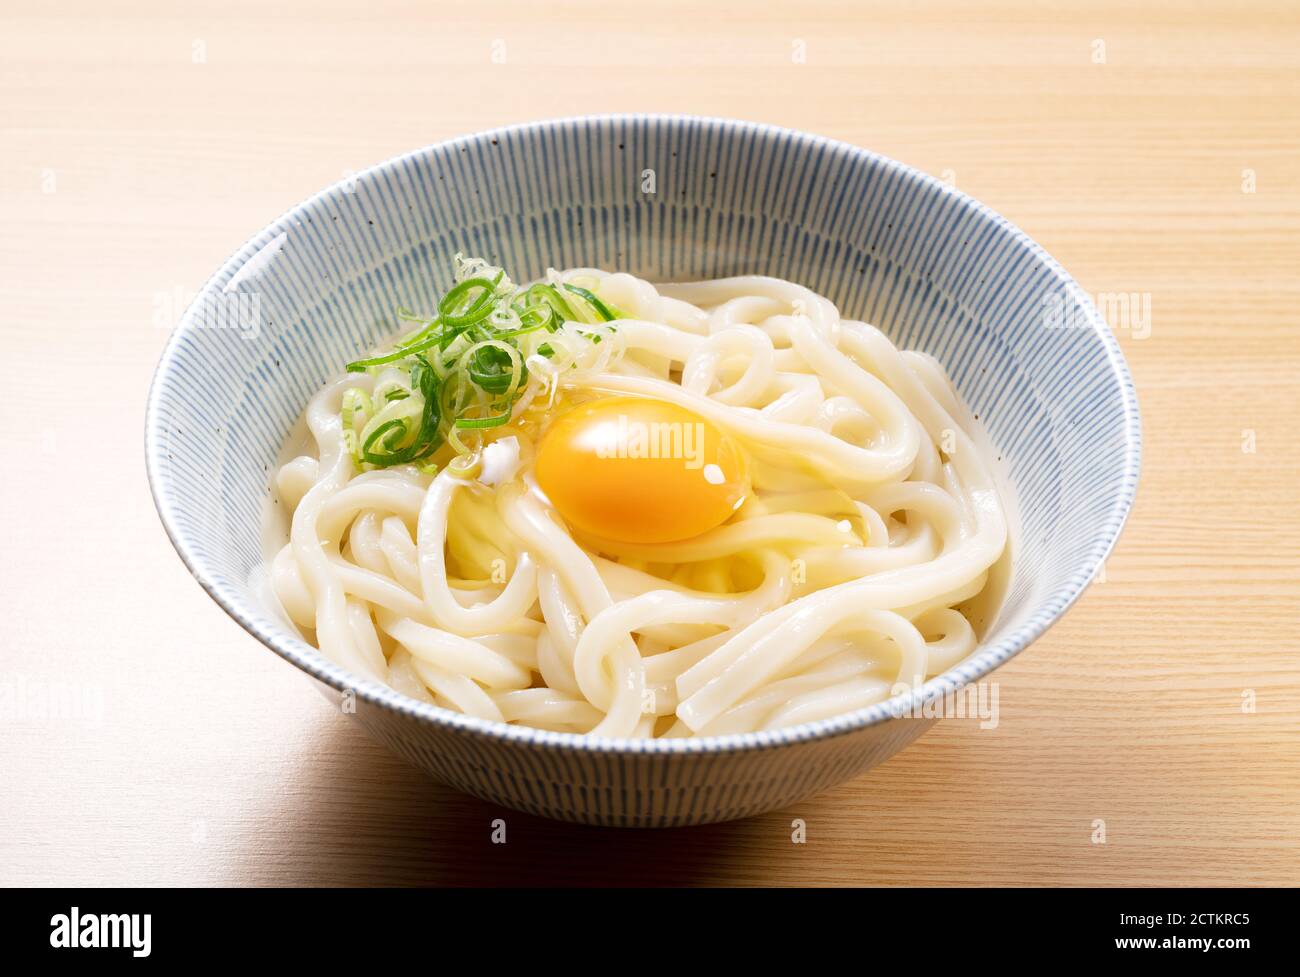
{"x": 666, "y": 198}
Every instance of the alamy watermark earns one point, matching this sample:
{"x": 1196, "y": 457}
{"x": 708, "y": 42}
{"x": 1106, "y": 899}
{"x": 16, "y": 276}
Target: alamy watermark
{"x": 978, "y": 700}
{"x": 630, "y": 438}
{"x": 240, "y": 311}
{"x": 1124, "y": 312}
{"x": 35, "y": 700}
{"x": 75, "y": 930}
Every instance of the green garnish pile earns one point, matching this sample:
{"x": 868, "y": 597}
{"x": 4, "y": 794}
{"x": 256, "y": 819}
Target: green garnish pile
{"x": 466, "y": 368}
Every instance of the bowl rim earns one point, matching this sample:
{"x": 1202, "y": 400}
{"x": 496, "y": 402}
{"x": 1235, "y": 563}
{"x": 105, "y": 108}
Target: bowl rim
{"x": 906, "y": 704}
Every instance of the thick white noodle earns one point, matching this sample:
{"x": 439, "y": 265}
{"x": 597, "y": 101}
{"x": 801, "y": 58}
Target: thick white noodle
{"x": 873, "y": 517}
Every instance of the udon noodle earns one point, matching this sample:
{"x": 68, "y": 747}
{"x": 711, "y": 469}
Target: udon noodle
{"x": 870, "y": 524}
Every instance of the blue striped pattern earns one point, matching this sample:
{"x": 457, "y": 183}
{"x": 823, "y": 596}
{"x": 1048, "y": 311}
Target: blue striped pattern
{"x": 933, "y": 268}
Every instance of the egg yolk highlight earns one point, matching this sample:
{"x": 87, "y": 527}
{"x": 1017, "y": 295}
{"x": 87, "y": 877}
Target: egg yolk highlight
{"x": 635, "y": 470}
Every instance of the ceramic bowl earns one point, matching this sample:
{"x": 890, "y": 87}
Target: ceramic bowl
{"x": 666, "y": 198}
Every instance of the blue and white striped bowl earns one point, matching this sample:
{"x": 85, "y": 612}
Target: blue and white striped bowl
{"x": 666, "y": 198}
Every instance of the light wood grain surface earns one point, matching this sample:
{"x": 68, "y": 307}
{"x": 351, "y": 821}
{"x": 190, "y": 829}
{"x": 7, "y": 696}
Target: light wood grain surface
{"x": 1152, "y": 152}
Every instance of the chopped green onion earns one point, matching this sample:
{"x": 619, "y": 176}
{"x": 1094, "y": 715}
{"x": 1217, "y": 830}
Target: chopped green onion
{"x": 401, "y": 353}
{"x": 355, "y": 401}
{"x": 464, "y": 369}
{"x": 590, "y": 298}
{"x": 479, "y": 423}
{"x": 456, "y": 312}
{"x": 532, "y": 318}
{"x": 390, "y": 434}
{"x": 549, "y": 296}
{"x": 466, "y": 466}
{"x": 353, "y": 447}
{"x": 495, "y": 366}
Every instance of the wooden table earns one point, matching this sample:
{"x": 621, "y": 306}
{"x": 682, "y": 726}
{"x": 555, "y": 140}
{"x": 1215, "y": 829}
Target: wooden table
{"x": 1155, "y": 154}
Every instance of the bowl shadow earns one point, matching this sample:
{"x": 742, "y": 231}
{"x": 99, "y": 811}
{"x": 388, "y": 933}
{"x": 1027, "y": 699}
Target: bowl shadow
{"x": 357, "y": 815}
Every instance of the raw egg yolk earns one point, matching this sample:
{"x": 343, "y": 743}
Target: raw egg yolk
{"x": 635, "y": 470}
